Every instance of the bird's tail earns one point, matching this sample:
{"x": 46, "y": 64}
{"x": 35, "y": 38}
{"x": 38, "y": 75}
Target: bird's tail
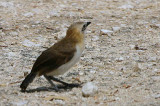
{"x": 29, "y": 78}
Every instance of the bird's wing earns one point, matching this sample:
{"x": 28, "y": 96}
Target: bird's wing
{"x": 52, "y": 59}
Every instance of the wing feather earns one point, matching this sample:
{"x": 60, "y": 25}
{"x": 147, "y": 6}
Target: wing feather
{"x": 53, "y": 58}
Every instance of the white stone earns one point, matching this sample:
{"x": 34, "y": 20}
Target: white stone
{"x": 2, "y": 33}
{"x": 59, "y": 102}
{"x": 156, "y": 78}
{"x": 158, "y": 25}
{"x": 20, "y": 103}
{"x": 132, "y": 46}
{"x": 116, "y": 28}
{"x": 29, "y": 14}
{"x": 89, "y": 89}
{"x": 14, "y": 33}
{"x": 126, "y": 6}
{"x": 119, "y": 59}
{"x": 95, "y": 38}
{"x": 37, "y": 11}
{"x": 25, "y": 26}
{"x": 137, "y": 67}
{"x": 92, "y": 71}
{"x": 11, "y": 54}
{"x": 6, "y": 4}
{"x": 157, "y": 96}
{"x": 54, "y": 13}
{"x": 106, "y": 32}
{"x": 29, "y": 43}
{"x": 152, "y": 59}
{"x": 123, "y": 25}
{"x": 81, "y": 73}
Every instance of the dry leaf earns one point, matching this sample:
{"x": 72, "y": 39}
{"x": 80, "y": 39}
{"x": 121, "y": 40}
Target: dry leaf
{"x": 77, "y": 79}
{"x": 3, "y": 85}
{"x": 50, "y": 98}
{"x": 126, "y": 86}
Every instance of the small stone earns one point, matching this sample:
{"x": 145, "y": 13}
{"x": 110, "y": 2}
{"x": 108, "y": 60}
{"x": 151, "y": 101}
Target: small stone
{"x": 89, "y": 89}
{"x": 29, "y": 14}
{"x": 81, "y": 73}
{"x": 54, "y": 13}
{"x": 106, "y": 32}
{"x": 92, "y": 72}
{"x": 123, "y": 25}
{"x": 29, "y": 43}
{"x": 20, "y": 103}
{"x": 152, "y": 59}
{"x": 157, "y": 96}
{"x": 6, "y": 4}
{"x": 14, "y": 33}
{"x": 95, "y": 38}
{"x": 37, "y": 11}
{"x": 156, "y": 78}
{"x": 25, "y": 26}
{"x": 59, "y": 102}
{"x": 2, "y": 33}
{"x": 158, "y": 25}
{"x": 137, "y": 67}
{"x": 132, "y": 46}
{"x": 126, "y": 6}
{"x": 119, "y": 59}
{"x": 115, "y": 29}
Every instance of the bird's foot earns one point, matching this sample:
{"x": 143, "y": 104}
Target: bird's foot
{"x": 23, "y": 90}
{"x": 72, "y": 85}
{"x": 55, "y": 88}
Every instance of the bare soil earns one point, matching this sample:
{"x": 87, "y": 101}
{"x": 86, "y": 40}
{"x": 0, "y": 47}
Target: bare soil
{"x": 125, "y": 64}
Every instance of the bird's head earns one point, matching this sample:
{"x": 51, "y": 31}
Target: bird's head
{"x": 77, "y": 30}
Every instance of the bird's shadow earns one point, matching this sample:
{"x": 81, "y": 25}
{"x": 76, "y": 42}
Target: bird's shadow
{"x": 62, "y": 88}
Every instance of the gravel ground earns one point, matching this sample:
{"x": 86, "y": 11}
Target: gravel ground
{"x": 121, "y": 56}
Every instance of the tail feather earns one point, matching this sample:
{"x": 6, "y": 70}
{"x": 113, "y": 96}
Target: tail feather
{"x": 29, "y": 78}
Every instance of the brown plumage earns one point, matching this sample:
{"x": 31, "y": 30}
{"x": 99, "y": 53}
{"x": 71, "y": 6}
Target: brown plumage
{"x": 60, "y": 57}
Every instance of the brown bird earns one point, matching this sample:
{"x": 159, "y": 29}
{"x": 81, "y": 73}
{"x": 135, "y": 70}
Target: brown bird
{"x": 60, "y": 57}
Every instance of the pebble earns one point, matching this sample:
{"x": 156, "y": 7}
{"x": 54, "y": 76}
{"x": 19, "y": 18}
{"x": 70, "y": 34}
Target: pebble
{"x": 29, "y": 14}
{"x": 119, "y": 59}
{"x": 59, "y": 102}
{"x": 20, "y": 103}
{"x": 81, "y": 73}
{"x": 126, "y": 6}
{"x": 6, "y": 4}
{"x": 152, "y": 59}
{"x": 115, "y": 29}
{"x": 158, "y": 25}
{"x": 54, "y": 13}
{"x": 95, "y": 38}
{"x": 132, "y": 46}
{"x": 156, "y": 78}
{"x": 106, "y": 32}
{"x": 137, "y": 67}
{"x": 14, "y": 33}
{"x": 89, "y": 89}
{"x": 29, "y": 43}
{"x": 25, "y": 26}
{"x": 123, "y": 25}
{"x": 157, "y": 96}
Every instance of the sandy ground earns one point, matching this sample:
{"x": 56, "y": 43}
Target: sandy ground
{"x": 124, "y": 64}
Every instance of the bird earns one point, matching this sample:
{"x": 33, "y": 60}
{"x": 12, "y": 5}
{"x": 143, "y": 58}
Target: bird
{"x": 59, "y": 58}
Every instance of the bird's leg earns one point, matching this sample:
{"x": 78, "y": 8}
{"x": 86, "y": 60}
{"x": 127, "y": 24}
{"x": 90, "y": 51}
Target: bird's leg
{"x": 52, "y": 84}
{"x": 66, "y": 84}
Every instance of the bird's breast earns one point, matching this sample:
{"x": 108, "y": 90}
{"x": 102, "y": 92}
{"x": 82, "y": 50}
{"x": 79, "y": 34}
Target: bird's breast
{"x": 62, "y": 69}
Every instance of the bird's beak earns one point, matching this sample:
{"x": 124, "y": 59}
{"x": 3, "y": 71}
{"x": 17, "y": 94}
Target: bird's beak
{"x": 87, "y": 23}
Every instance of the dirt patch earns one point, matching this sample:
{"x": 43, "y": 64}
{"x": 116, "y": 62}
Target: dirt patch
{"x": 124, "y": 64}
